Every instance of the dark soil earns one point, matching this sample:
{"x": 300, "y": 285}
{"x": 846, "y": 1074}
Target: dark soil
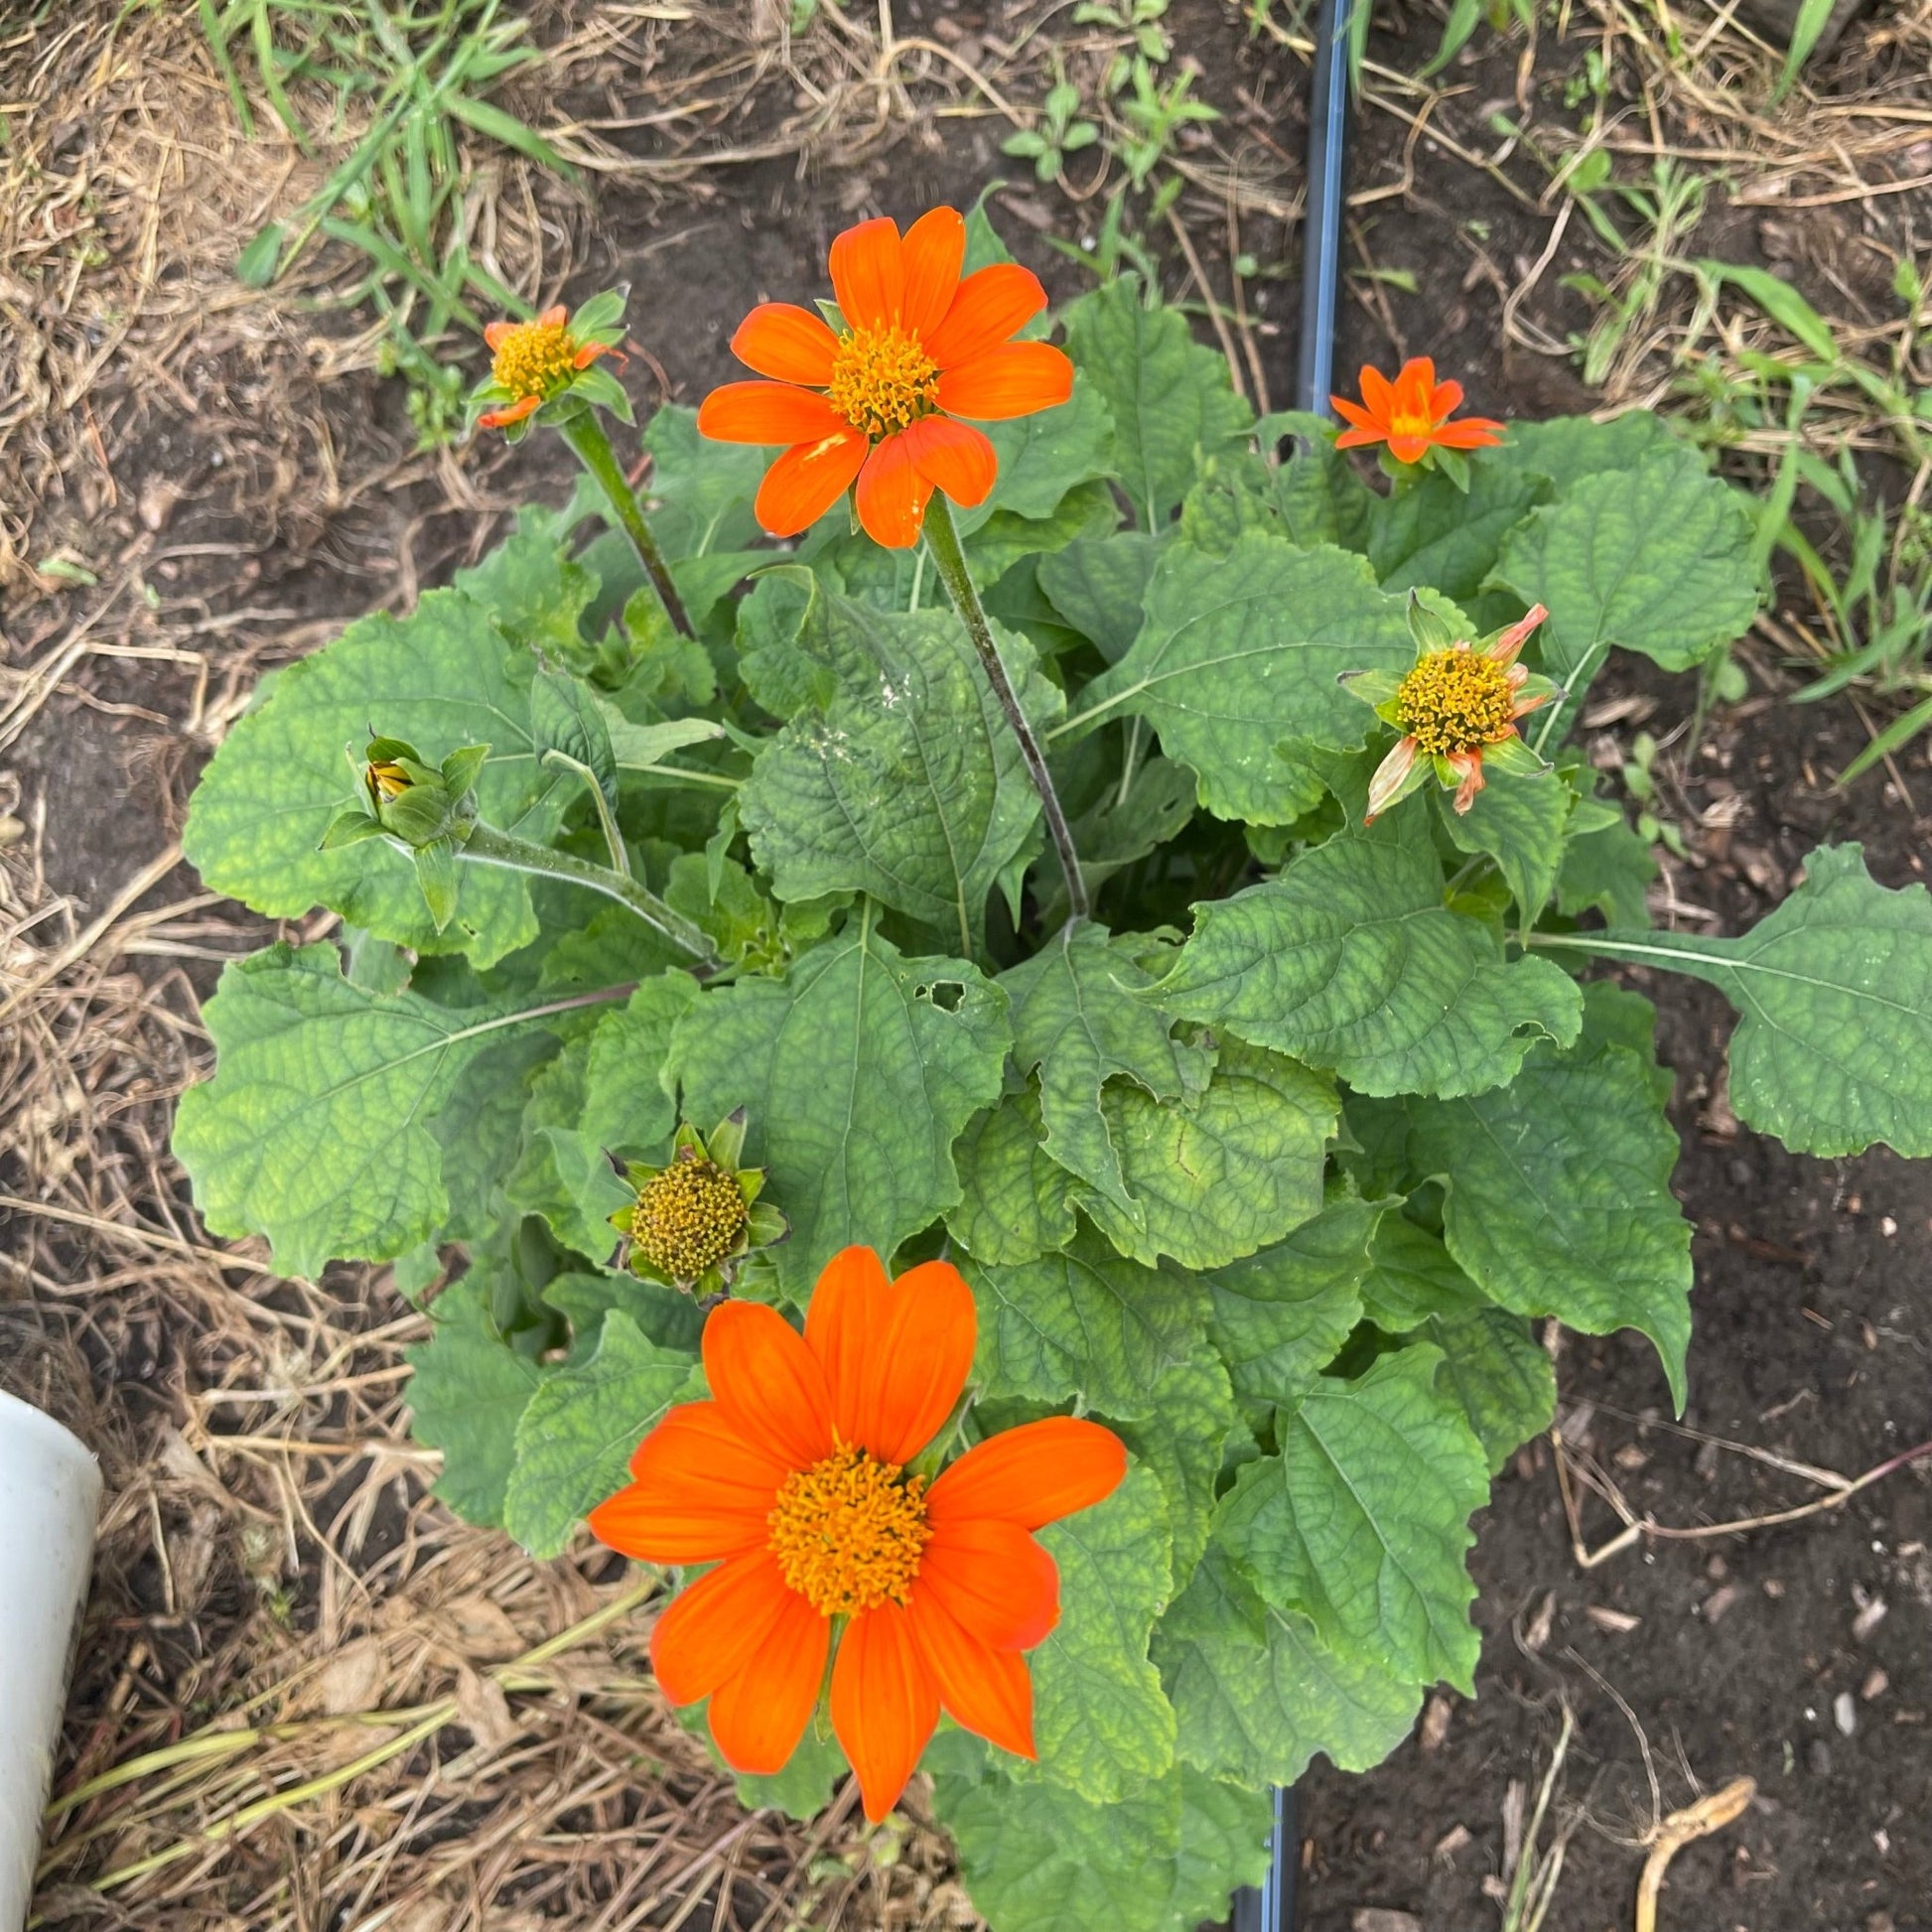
{"x": 1814, "y": 1333}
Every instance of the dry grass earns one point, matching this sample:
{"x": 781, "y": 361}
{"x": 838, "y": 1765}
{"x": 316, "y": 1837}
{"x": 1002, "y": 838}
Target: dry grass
{"x": 306, "y": 1699}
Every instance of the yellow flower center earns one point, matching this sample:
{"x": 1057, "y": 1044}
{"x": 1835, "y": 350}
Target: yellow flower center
{"x": 536, "y": 358}
{"x": 1411, "y": 422}
{"x": 849, "y": 1531}
{"x": 388, "y": 778}
{"x": 1455, "y": 700}
{"x": 883, "y": 379}
{"x": 688, "y": 1217}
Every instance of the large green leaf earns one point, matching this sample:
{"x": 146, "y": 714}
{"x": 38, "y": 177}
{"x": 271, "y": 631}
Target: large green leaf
{"x": 1568, "y": 448}
{"x": 1657, "y": 560}
{"x": 700, "y": 491}
{"x": 1217, "y": 1176}
{"x": 1101, "y": 1721}
{"x": 1016, "y": 1200}
{"x": 1043, "y": 456}
{"x": 468, "y": 1390}
{"x": 1519, "y": 821}
{"x": 1076, "y": 1017}
{"x": 314, "y": 1128}
{"x": 1257, "y": 1693}
{"x": 1559, "y": 1194}
{"x": 1182, "y": 1436}
{"x": 1504, "y": 1381}
{"x": 562, "y": 1173}
{"x": 1833, "y": 1044}
{"x": 576, "y": 1438}
{"x": 1430, "y": 535}
{"x": 443, "y": 677}
{"x": 1279, "y": 1317}
{"x": 1086, "y": 1322}
{"x": 1236, "y": 666}
{"x": 858, "y": 1071}
{"x": 1361, "y": 1521}
{"x": 1040, "y": 1858}
{"x": 1605, "y": 867}
{"x": 1098, "y": 585}
{"x": 1350, "y": 960}
{"x": 901, "y": 777}
{"x": 1172, "y": 401}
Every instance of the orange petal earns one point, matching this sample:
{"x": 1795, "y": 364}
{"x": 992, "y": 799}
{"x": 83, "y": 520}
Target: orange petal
{"x": 995, "y": 1579}
{"x": 718, "y": 1625}
{"x": 1471, "y": 433}
{"x": 510, "y": 413}
{"x": 919, "y": 1357}
{"x": 1443, "y": 401}
{"x": 494, "y": 334}
{"x": 806, "y": 480}
{"x": 842, "y": 1328}
{"x": 932, "y": 252}
{"x": 553, "y": 318}
{"x": 1388, "y": 777}
{"x": 767, "y": 412}
{"x": 1354, "y": 413}
{"x": 1012, "y": 380}
{"x": 766, "y": 1383}
{"x": 991, "y": 303}
{"x": 1378, "y": 394}
{"x": 1407, "y": 449}
{"x": 1360, "y": 439}
{"x": 588, "y": 353}
{"x": 885, "y": 1704}
{"x": 892, "y": 496}
{"x": 1030, "y": 1476}
{"x": 869, "y": 274}
{"x": 1512, "y": 640}
{"x": 758, "y": 1716}
{"x": 953, "y": 456}
{"x": 700, "y": 1491}
{"x": 989, "y": 1691}
{"x": 1470, "y": 765}
{"x": 1418, "y": 372}
{"x": 781, "y": 339}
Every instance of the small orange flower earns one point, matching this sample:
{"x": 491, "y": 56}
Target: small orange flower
{"x": 533, "y": 361}
{"x": 877, "y": 405}
{"x": 793, "y": 1481}
{"x": 1411, "y": 414}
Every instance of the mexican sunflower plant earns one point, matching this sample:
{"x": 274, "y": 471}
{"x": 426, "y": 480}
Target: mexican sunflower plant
{"x": 944, "y": 1077}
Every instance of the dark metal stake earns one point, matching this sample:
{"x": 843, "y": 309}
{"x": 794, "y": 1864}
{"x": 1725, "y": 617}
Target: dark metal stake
{"x": 1271, "y": 1909}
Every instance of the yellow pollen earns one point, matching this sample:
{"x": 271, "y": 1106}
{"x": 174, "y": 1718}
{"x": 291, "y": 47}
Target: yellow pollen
{"x": 883, "y": 379}
{"x": 688, "y": 1217}
{"x": 1455, "y": 701}
{"x": 849, "y": 1531}
{"x": 536, "y": 358}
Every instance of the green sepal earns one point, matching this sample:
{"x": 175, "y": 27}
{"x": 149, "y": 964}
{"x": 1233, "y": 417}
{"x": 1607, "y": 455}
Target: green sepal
{"x": 596, "y": 386}
{"x": 1377, "y": 688}
{"x": 460, "y": 768}
{"x": 601, "y": 319}
{"x": 728, "y": 1139}
{"x": 1512, "y": 754}
{"x": 1428, "y": 627}
{"x": 350, "y": 827}
{"x": 435, "y": 875}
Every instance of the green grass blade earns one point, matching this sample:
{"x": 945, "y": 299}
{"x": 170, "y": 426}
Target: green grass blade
{"x": 1897, "y": 733}
{"x": 506, "y": 128}
{"x": 1812, "y": 17}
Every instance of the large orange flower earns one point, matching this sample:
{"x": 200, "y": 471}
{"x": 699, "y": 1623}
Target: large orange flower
{"x": 1411, "y": 414}
{"x": 792, "y": 1480}
{"x": 878, "y": 404}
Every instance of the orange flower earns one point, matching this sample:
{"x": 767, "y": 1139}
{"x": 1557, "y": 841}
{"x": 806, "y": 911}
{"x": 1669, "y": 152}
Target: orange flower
{"x": 792, "y": 1480}
{"x": 878, "y": 404}
{"x": 1411, "y": 414}
{"x": 533, "y": 361}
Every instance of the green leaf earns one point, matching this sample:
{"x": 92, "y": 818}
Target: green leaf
{"x": 1043, "y": 457}
{"x": 1606, "y": 868}
{"x": 1279, "y": 1317}
{"x": 1410, "y": 1278}
{"x": 1566, "y": 449}
{"x": 1519, "y": 820}
{"x": 1040, "y": 1858}
{"x": 1834, "y": 1046}
{"x": 1171, "y": 402}
{"x": 534, "y": 589}
{"x": 1432, "y": 535}
{"x": 1361, "y": 1521}
{"x": 1350, "y": 960}
{"x": 467, "y": 1392}
{"x": 1657, "y": 560}
{"x": 443, "y": 677}
{"x": 1505, "y": 1382}
{"x": 666, "y": 1315}
{"x": 1084, "y": 1324}
{"x": 1087, "y": 511}
{"x": 902, "y": 778}
{"x": 563, "y": 1174}
{"x": 1257, "y": 1693}
{"x": 480, "y": 1129}
{"x": 1236, "y": 667}
{"x": 805, "y": 1787}
{"x": 564, "y": 716}
{"x": 700, "y": 491}
{"x": 314, "y": 1128}
{"x": 575, "y": 1441}
{"x": 1098, "y": 585}
{"x": 1016, "y": 1200}
{"x": 1183, "y": 1438}
{"x": 858, "y": 1071}
{"x": 1559, "y": 1194}
{"x": 1076, "y": 1017}
{"x": 1218, "y": 1176}
{"x": 1101, "y": 1721}
{"x": 627, "y": 1106}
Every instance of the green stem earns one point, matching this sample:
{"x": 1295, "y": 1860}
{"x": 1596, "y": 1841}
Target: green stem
{"x": 943, "y": 541}
{"x": 489, "y": 847}
{"x": 585, "y": 434}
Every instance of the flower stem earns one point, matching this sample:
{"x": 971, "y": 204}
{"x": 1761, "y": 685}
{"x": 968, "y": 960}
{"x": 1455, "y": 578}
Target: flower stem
{"x": 585, "y": 434}
{"x": 489, "y": 847}
{"x": 943, "y": 541}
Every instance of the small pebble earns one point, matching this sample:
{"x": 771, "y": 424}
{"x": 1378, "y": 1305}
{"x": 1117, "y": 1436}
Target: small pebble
{"x": 1887, "y": 1226}
{"x": 1876, "y": 1685}
{"x": 1817, "y": 1758}
{"x": 1868, "y": 1618}
{"x": 1844, "y": 1713}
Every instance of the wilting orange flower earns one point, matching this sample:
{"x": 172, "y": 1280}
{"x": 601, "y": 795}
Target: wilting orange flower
{"x": 1411, "y": 414}
{"x": 531, "y": 361}
{"x": 1457, "y": 706}
{"x": 878, "y": 403}
{"x": 793, "y": 1481}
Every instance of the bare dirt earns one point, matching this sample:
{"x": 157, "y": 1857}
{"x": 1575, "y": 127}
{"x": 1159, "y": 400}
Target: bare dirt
{"x": 1695, "y": 1661}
